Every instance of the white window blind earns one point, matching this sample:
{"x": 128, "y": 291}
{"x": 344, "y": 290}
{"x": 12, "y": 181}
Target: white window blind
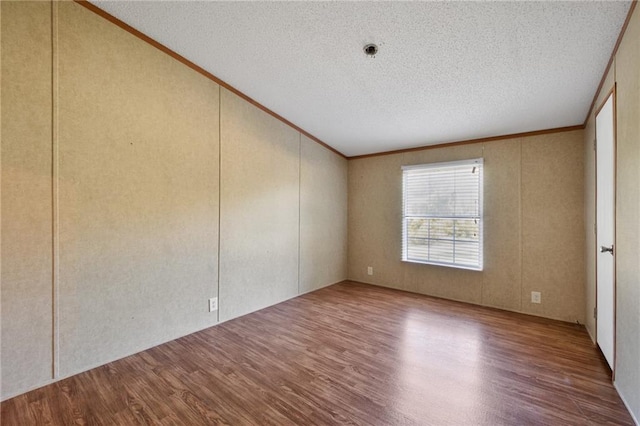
{"x": 442, "y": 214}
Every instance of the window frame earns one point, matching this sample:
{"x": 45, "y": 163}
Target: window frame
{"x": 477, "y": 162}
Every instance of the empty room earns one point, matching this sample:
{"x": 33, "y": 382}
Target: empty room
{"x": 318, "y": 213}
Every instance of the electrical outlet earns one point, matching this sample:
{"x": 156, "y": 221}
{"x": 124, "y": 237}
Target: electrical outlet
{"x": 213, "y": 304}
{"x": 536, "y": 297}
{"x": 369, "y": 270}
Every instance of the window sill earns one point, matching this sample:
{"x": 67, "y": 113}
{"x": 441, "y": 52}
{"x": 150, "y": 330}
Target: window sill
{"x": 446, "y": 265}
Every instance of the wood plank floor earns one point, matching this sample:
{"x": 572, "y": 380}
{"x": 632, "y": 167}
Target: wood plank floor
{"x": 347, "y": 354}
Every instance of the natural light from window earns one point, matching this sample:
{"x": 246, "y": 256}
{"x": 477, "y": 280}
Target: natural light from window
{"x": 442, "y": 214}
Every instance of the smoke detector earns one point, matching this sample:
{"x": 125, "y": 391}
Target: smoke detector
{"x": 370, "y": 50}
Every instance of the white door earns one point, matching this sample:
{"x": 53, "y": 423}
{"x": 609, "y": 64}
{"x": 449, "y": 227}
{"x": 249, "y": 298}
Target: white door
{"x": 605, "y": 235}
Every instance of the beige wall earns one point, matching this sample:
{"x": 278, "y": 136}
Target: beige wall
{"x": 137, "y": 154}
{"x": 259, "y": 218}
{"x": 323, "y": 218}
{"x": 25, "y": 91}
{"x": 628, "y": 217}
{"x": 138, "y": 193}
{"x": 625, "y": 75}
{"x": 533, "y": 205}
{"x": 283, "y": 223}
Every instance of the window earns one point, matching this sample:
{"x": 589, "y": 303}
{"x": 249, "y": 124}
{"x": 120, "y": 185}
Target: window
{"x": 442, "y": 214}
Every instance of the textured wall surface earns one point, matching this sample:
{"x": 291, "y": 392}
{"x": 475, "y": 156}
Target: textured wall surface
{"x": 533, "y": 205}
{"x": 375, "y": 189}
{"x": 26, "y": 355}
{"x": 553, "y": 226}
{"x": 628, "y": 217}
{"x": 138, "y": 193}
{"x": 625, "y": 75}
{"x": 259, "y": 201}
{"x": 502, "y": 239}
{"x": 323, "y": 218}
{"x": 135, "y": 157}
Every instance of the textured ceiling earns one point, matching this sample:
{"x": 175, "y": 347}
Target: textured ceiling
{"x": 446, "y": 71}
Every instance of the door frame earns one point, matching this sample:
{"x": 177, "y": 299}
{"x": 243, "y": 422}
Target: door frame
{"x": 611, "y": 93}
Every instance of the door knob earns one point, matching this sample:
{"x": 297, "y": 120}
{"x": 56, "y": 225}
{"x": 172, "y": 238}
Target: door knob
{"x": 604, "y": 249}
